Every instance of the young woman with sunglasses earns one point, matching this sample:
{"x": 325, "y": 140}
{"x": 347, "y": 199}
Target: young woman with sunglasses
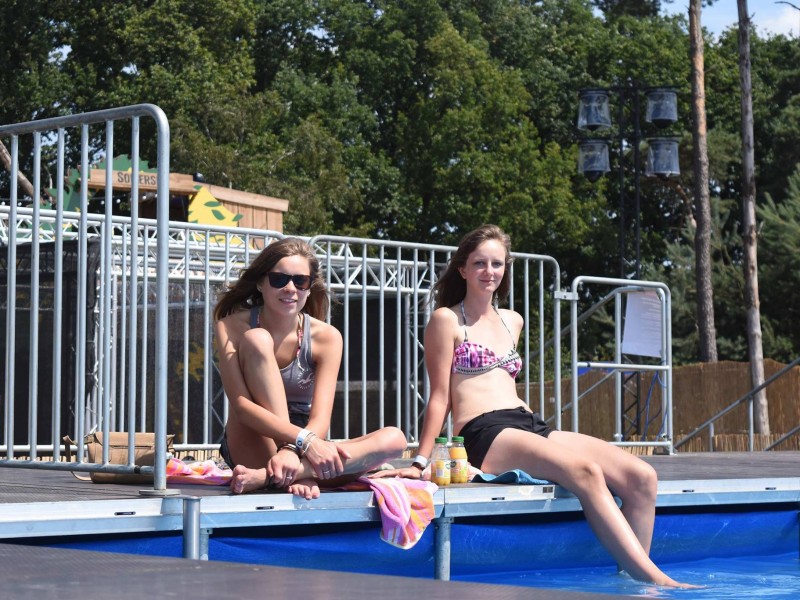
{"x": 279, "y": 362}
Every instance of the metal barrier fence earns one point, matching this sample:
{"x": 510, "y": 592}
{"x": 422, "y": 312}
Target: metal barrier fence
{"x": 49, "y": 137}
{"x": 127, "y": 306}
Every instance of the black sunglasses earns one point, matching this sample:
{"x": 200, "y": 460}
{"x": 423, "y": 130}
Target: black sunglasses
{"x": 281, "y": 280}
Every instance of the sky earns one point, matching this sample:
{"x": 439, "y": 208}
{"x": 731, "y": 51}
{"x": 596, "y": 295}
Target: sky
{"x": 768, "y": 16}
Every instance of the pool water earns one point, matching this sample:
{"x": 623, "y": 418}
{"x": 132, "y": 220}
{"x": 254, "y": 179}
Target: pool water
{"x": 732, "y": 578}
{"x": 735, "y": 552}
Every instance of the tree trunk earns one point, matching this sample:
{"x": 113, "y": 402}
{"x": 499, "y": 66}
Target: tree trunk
{"x": 24, "y": 184}
{"x": 702, "y": 236}
{"x": 749, "y": 231}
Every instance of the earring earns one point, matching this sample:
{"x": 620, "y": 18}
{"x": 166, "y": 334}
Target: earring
{"x": 258, "y": 287}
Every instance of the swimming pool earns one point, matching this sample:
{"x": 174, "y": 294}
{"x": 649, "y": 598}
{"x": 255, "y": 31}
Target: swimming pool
{"x": 735, "y": 551}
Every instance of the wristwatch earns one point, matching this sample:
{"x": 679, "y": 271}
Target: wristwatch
{"x": 420, "y": 462}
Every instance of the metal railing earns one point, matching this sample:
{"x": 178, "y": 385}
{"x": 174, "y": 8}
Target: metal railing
{"x": 101, "y": 364}
{"x": 617, "y": 367}
{"x": 54, "y": 132}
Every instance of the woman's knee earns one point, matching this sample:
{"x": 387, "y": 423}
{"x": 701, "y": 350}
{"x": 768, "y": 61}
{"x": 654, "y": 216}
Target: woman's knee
{"x": 393, "y": 441}
{"x": 587, "y": 474}
{"x": 256, "y": 345}
{"x": 643, "y": 480}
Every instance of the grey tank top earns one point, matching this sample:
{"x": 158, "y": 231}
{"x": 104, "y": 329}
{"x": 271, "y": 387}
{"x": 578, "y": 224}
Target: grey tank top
{"x": 298, "y": 375}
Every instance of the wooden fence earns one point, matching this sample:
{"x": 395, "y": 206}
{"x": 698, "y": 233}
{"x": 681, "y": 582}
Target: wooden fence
{"x": 699, "y": 392}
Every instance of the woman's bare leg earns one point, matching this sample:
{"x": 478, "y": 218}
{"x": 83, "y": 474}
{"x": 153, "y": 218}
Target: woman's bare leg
{"x": 541, "y": 457}
{"x": 628, "y": 477}
{"x": 366, "y": 453}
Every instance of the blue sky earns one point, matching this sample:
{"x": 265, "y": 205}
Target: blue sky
{"x": 769, "y": 16}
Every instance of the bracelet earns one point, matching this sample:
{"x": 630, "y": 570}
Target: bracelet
{"x": 288, "y": 446}
{"x": 309, "y": 438}
{"x": 301, "y": 441}
{"x": 420, "y": 462}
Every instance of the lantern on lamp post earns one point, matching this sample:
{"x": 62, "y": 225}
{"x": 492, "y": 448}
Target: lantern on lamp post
{"x": 662, "y": 153}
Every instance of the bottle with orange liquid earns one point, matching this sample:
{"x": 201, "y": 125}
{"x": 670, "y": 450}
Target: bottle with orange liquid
{"x": 459, "y": 466}
{"x": 440, "y": 463}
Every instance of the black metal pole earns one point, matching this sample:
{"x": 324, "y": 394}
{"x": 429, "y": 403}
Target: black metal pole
{"x": 621, "y": 121}
{"x": 637, "y": 138}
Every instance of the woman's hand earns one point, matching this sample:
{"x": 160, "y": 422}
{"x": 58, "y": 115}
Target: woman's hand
{"x": 407, "y": 472}
{"x": 326, "y": 458}
{"x": 282, "y": 468}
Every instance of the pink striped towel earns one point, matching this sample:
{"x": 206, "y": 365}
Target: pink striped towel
{"x": 406, "y": 507}
{"x": 204, "y": 473}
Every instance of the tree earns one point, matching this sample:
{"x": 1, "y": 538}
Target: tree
{"x": 705, "y": 291}
{"x": 750, "y": 233}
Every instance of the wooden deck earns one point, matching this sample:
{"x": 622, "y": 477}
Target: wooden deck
{"x": 40, "y": 503}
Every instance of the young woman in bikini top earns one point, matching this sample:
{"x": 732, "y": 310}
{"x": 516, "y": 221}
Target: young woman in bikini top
{"x": 500, "y": 432}
{"x": 470, "y": 358}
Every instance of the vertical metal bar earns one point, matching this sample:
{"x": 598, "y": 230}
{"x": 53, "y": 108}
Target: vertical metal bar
{"x": 414, "y": 329}
{"x": 346, "y": 353}
{"x": 621, "y": 121}
{"x": 208, "y": 344}
{"x": 33, "y": 349}
{"x": 11, "y": 301}
{"x": 443, "y": 527}
{"x": 186, "y": 317}
{"x": 412, "y": 406}
{"x": 364, "y": 273}
{"x": 58, "y": 293}
{"x": 542, "y": 357}
{"x": 191, "y": 527}
{"x": 573, "y": 361}
{"x": 80, "y": 367}
{"x": 556, "y": 338}
{"x": 637, "y": 137}
{"x": 119, "y": 343}
{"x": 134, "y": 281}
{"x": 405, "y": 424}
{"x": 711, "y": 437}
{"x": 108, "y": 231}
{"x": 382, "y": 341}
{"x": 162, "y": 299}
{"x": 619, "y": 388}
{"x": 145, "y": 328}
{"x": 426, "y": 315}
{"x": 666, "y": 327}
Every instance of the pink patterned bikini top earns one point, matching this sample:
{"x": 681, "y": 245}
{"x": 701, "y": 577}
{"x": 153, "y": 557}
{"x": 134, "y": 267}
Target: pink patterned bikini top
{"x": 470, "y": 358}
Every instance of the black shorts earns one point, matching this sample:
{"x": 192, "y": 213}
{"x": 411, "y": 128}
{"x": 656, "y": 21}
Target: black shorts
{"x": 480, "y": 432}
{"x": 296, "y": 418}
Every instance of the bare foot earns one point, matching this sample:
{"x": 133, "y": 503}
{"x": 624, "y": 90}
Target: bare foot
{"x": 246, "y": 480}
{"x": 304, "y": 488}
{"x": 669, "y": 582}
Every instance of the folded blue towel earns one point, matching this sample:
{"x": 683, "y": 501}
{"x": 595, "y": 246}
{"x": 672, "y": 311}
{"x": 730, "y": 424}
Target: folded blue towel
{"x": 516, "y": 476}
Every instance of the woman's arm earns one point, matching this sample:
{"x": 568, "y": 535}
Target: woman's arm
{"x": 440, "y": 339}
{"x": 441, "y": 336}
{"x": 248, "y": 409}
{"x": 326, "y": 349}
{"x": 326, "y": 458}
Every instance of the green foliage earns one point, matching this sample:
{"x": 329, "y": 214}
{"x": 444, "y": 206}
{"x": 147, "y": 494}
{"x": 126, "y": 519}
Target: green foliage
{"x": 419, "y": 120}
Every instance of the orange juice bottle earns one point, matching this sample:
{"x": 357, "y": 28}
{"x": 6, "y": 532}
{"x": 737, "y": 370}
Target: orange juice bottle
{"x": 440, "y": 463}
{"x": 459, "y": 469}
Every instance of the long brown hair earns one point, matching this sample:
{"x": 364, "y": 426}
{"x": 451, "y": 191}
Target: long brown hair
{"x": 243, "y": 293}
{"x": 451, "y": 288}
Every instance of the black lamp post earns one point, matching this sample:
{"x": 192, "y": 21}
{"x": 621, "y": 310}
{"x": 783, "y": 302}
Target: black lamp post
{"x": 662, "y": 153}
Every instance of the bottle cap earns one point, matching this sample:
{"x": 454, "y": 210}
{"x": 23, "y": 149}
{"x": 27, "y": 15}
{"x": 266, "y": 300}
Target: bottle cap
{"x": 441, "y": 440}
{"x": 457, "y": 439}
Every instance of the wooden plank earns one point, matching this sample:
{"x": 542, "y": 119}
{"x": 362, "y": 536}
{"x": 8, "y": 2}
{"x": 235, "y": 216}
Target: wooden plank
{"x": 247, "y": 198}
{"x": 121, "y": 180}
